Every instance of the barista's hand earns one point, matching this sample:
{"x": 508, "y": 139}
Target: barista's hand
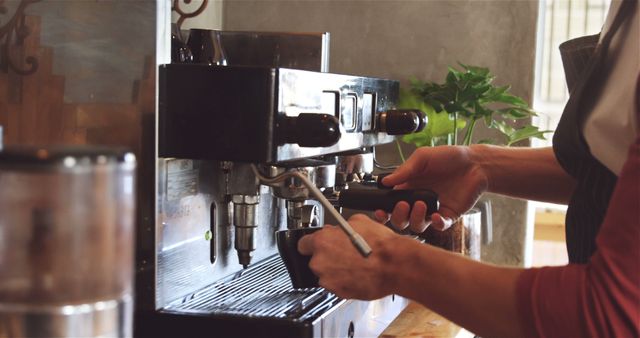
{"x": 340, "y": 267}
{"x": 452, "y": 172}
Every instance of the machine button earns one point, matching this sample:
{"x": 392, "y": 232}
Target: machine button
{"x": 348, "y": 115}
{"x": 368, "y": 108}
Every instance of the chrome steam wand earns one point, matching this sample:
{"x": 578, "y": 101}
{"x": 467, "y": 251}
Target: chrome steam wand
{"x": 357, "y": 240}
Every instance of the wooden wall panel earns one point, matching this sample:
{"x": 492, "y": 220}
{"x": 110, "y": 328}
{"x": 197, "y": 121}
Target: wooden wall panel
{"x": 33, "y": 111}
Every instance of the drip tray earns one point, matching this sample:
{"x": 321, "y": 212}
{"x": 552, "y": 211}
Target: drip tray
{"x": 260, "y": 302}
{"x": 262, "y": 291}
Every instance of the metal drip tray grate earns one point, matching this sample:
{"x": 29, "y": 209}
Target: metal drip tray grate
{"x": 263, "y": 290}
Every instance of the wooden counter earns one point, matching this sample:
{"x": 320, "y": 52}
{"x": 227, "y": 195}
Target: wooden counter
{"x": 418, "y": 321}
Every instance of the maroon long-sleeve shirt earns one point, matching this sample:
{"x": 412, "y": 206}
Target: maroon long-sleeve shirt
{"x": 600, "y": 298}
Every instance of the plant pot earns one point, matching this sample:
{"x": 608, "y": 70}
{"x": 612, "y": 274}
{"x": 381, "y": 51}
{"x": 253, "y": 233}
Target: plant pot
{"x": 462, "y": 237}
{"x": 467, "y": 235}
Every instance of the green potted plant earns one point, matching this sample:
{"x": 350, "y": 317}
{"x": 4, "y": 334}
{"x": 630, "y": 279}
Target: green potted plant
{"x": 455, "y": 107}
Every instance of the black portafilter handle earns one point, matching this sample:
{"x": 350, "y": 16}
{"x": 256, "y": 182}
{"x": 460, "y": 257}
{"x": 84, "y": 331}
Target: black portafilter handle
{"x": 375, "y": 199}
{"x": 401, "y": 121}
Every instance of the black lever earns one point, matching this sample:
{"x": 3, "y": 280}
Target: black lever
{"x": 374, "y": 199}
{"x": 309, "y": 130}
{"x": 401, "y": 121}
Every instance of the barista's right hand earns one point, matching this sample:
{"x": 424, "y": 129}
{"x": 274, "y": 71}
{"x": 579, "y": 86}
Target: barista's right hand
{"x": 453, "y": 172}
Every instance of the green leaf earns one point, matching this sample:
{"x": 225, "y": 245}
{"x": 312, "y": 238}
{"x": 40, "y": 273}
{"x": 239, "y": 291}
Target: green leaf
{"x": 516, "y": 113}
{"x": 510, "y": 99}
{"x": 436, "y": 105}
{"x": 481, "y": 71}
{"x": 481, "y": 111}
{"x": 470, "y": 94}
{"x": 502, "y": 126}
{"x": 456, "y": 107}
{"x": 524, "y": 133}
{"x": 495, "y": 92}
{"x": 439, "y": 125}
{"x": 487, "y": 120}
{"x": 420, "y": 139}
{"x": 452, "y": 76}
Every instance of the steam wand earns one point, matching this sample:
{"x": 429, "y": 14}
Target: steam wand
{"x": 357, "y": 240}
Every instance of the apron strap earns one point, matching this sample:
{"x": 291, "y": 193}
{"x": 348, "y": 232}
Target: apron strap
{"x": 638, "y": 106}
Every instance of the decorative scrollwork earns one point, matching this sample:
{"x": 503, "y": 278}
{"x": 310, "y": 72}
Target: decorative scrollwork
{"x": 182, "y": 15}
{"x": 14, "y": 32}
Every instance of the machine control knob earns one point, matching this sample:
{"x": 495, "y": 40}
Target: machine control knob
{"x": 401, "y": 121}
{"x": 309, "y": 130}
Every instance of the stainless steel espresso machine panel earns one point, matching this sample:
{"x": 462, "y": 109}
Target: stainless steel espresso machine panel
{"x": 267, "y": 115}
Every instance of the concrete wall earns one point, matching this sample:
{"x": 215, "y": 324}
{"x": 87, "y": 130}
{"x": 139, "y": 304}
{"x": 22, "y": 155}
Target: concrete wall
{"x": 400, "y": 39}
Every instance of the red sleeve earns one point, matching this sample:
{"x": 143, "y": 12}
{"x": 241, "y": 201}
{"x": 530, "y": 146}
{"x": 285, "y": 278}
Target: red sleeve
{"x": 601, "y": 298}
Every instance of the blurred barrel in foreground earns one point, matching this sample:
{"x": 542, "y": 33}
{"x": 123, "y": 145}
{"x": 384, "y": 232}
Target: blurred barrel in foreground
{"x": 66, "y": 242}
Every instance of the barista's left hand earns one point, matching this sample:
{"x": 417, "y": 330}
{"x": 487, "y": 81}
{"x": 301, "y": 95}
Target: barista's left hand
{"x": 340, "y": 267}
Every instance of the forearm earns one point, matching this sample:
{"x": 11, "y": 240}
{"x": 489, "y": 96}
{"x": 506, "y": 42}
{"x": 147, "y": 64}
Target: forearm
{"x": 479, "y": 297}
{"x": 529, "y": 173}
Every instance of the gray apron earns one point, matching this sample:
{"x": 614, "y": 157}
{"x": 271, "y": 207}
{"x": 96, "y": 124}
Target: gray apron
{"x": 582, "y": 59}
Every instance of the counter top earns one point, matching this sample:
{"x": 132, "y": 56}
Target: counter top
{"x": 418, "y": 321}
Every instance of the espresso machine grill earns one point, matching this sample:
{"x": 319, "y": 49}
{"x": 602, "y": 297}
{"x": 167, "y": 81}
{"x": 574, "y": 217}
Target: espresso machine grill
{"x": 216, "y": 269}
{"x": 262, "y": 291}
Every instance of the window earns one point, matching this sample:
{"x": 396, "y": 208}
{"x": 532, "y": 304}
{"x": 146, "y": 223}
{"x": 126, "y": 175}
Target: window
{"x": 559, "y": 21}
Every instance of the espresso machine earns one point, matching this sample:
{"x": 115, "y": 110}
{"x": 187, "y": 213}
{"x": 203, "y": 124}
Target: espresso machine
{"x": 245, "y": 151}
